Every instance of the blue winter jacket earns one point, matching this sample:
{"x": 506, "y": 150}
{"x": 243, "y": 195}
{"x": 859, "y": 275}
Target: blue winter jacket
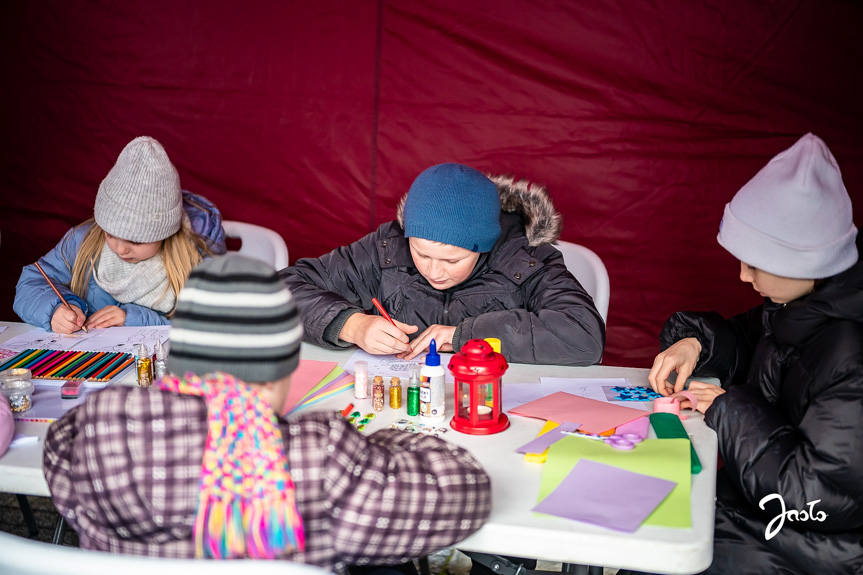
{"x": 35, "y": 301}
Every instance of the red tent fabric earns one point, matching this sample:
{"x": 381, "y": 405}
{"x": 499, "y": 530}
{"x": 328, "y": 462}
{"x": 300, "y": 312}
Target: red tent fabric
{"x": 641, "y": 118}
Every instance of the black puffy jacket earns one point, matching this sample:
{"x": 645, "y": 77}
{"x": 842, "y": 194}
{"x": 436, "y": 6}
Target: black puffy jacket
{"x": 790, "y": 423}
{"x": 520, "y": 292}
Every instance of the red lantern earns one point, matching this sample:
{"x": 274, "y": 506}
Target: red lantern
{"x": 478, "y": 370}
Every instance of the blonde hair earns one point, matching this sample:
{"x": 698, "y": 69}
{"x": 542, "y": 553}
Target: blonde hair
{"x": 180, "y": 252}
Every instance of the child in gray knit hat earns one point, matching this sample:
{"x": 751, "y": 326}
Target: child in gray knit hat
{"x": 789, "y": 411}
{"x": 125, "y": 265}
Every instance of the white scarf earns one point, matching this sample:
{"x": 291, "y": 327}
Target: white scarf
{"x": 144, "y": 283}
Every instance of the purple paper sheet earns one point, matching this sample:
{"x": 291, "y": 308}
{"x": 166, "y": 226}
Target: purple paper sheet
{"x": 606, "y": 495}
{"x": 639, "y": 426}
{"x": 542, "y": 442}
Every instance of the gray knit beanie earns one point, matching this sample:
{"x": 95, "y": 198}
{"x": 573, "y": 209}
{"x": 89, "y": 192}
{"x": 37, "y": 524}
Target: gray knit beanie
{"x": 793, "y": 219}
{"x": 140, "y": 200}
{"x": 453, "y": 204}
{"x": 236, "y": 316}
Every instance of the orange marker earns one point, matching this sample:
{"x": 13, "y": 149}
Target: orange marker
{"x": 382, "y": 310}
{"x": 346, "y": 411}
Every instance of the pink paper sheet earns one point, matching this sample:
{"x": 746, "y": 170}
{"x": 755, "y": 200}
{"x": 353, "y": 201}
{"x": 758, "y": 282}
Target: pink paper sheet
{"x": 595, "y": 416}
{"x": 308, "y": 374}
{"x": 639, "y": 427}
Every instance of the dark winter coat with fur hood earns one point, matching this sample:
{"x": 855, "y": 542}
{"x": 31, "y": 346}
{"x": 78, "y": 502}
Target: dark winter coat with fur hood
{"x": 519, "y": 292}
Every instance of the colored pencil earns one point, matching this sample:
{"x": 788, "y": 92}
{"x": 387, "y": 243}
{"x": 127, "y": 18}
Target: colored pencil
{"x": 382, "y": 310}
{"x": 96, "y": 367}
{"x": 56, "y": 291}
{"x": 69, "y": 364}
{"x": 55, "y": 360}
{"x": 129, "y": 361}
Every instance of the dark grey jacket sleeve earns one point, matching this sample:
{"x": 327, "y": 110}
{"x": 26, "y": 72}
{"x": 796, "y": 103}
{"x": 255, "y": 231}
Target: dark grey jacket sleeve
{"x": 328, "y": 288}
{"x": 559, "y": 323}
{"x": 726, "y": 344}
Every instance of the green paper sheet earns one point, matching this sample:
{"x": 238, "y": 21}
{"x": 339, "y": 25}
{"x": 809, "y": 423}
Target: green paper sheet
{"x": 665, "y": 458}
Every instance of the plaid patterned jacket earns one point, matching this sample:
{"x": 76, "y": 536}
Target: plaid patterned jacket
{"x": 123, "y": 469}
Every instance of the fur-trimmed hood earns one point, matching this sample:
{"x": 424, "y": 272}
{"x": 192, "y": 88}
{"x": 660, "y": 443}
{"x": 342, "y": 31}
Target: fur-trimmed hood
{"x": 543, "y": 223}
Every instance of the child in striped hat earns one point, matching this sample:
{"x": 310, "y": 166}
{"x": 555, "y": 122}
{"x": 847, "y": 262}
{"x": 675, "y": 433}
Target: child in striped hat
{"x": 201, "y": 464}
{"x": 235, "y": 323}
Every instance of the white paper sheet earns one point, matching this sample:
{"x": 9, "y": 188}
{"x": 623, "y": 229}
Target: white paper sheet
{"x": 390, "y": 365}
{"x": 515, "y": 394}
{"x": 123, "y": 339}
{"x": 47, "y": 403}
{"x": 20, "y": 439}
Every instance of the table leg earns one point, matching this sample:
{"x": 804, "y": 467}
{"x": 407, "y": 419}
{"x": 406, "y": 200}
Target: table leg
{"x": 59, "y": 531}
{"x": 27, "y": 512}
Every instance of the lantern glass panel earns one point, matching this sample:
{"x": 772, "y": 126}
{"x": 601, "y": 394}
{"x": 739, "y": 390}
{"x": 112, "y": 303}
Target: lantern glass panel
{"x": 463, "y": 400}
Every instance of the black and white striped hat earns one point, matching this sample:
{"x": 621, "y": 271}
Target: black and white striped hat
{"x": 236, "y": 316}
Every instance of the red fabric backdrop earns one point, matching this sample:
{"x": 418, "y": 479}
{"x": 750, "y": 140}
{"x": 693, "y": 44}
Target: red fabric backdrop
{"x": 312, "y": 118}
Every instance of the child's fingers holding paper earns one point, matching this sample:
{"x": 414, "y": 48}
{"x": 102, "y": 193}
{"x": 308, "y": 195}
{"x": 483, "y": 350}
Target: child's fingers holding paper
{"x": 108, "y": 316}
{"x": 442, "y": 334}
{"x": 705, "y": 393}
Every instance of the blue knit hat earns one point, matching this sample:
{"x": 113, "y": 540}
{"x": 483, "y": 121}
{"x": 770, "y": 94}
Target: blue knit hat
{"x": 456, "y": 205}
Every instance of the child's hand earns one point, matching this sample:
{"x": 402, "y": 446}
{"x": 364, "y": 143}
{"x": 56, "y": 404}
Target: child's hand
{"x": 108, "y": 316}
{"x": 442, "y": 334}
{"x": 376, "y": 335}
{"x": 680, "y": 357}
{"x": 705, "y": 393}
{"x": 66, "y": 320}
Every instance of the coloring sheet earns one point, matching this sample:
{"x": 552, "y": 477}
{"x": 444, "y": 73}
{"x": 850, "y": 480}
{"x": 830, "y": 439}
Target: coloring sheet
{"x": 123, "y": 339}
{"x": 390, "y": 365}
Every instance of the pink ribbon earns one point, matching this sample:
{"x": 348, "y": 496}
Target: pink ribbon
{"x": 671, "y": 404}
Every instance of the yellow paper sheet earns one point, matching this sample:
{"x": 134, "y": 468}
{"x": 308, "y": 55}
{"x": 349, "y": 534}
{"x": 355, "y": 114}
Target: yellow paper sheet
{"x": 665, "y": 458}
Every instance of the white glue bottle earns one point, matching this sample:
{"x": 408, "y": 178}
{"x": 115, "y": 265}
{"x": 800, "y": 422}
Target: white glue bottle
{"x": 432, "y": 396}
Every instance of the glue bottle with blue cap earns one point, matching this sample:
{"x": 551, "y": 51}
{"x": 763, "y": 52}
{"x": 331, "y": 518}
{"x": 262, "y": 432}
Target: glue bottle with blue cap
{"x": 432, "y": 395}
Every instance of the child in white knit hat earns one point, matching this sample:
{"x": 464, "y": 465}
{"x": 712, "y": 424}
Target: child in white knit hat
{"x": 126, "y": 265}
{"x": 789, "y": 412}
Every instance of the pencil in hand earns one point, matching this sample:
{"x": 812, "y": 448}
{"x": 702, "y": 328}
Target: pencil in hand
{"x": 59, "y": 295}
{"x": 382, "y": 310}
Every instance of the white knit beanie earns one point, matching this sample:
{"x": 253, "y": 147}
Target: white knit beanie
{"x": 140, "y": 200}
{"x": 793, "y": 219}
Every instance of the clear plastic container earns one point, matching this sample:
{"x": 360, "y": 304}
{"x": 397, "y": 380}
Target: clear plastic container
{"x": 16, "y": 386}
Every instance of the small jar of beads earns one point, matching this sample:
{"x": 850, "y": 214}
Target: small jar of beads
{"x": 378, "y": 393}
{"x": 16, "y": 386}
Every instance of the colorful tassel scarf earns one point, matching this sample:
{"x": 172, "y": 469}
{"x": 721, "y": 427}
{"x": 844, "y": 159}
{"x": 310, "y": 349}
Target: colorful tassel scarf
{"x": 246, "y": 507}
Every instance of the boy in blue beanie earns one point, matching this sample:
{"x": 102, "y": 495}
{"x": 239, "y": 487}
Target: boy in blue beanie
{"x": 467, "y": 257}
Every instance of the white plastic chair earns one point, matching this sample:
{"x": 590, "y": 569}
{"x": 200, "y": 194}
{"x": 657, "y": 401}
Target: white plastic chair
{"x": 21, "y": 556}
{"x": 258, "y": 242}
{"x": 588, "y": 269}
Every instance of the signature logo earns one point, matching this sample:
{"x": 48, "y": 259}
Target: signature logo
{"x": 777, "y": 522}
